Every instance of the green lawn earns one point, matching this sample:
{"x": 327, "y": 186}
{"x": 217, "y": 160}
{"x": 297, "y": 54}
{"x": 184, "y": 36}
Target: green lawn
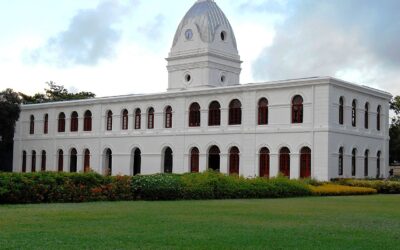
{"x": 366, "y": 222}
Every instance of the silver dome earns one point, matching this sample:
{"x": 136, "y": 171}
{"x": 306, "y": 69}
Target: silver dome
{"x": 207, "y": 17}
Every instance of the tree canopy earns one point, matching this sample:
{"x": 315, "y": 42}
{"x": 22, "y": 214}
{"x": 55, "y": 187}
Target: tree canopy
{"x": 10, "y": 102}
{"x": 55, "y": 93}
{"x": 394, "y": 132}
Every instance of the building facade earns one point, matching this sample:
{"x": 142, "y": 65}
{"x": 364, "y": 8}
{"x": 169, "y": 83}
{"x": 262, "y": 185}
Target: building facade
{"x": 317, "y": 127}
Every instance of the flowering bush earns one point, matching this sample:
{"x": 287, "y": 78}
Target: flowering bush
{"x": 336, "y": 190}
{"x": 67, "y": 187}
{"x": 62, "y": 187}
{"x": 383, "y": 187}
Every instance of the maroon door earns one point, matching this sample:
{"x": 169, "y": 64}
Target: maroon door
{"x": 234, "y": 161}
{"x": 264, "y": 162}
{"x": 305, "y": 163}
{"x": 284, "y": 162}
{"x": 86, "y": 161}
{"x": 194, "y": 160}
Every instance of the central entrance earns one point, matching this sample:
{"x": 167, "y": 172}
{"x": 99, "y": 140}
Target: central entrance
{"x": 214, "y": 158}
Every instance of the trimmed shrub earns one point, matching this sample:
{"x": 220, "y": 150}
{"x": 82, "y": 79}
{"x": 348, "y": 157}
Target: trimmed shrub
{"x": 157, "y": 187}
{"x": 62, "y": 187}
{"x": 338, "y": 190}
{"x": 66, "y": 187}
{"x": 383, "y": 187}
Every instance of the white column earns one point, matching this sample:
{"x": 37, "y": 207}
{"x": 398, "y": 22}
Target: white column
{"x": 294, "y": 166}
{"x": 274, "y": 165}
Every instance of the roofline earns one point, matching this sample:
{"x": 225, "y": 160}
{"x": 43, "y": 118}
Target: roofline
{"x": 218, "y": 90}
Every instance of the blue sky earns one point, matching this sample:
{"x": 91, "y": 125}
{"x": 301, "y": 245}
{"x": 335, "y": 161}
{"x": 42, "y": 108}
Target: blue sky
{"x": 114, "y": 47}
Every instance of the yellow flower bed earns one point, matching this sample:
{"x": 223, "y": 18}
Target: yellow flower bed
{"x": 336, "y": 190}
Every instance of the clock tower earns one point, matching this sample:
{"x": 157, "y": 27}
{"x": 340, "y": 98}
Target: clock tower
{"x": 204, "y": 52}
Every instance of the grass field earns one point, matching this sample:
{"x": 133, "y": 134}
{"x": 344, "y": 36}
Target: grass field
{"x": 367, "y": 222}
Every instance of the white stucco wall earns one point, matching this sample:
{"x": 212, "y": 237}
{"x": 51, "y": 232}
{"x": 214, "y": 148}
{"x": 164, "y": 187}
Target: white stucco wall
{"x": 320, "y": 130}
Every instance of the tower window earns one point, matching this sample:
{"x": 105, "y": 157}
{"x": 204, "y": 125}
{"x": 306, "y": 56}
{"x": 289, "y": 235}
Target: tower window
{"x": 223, "y": 35}
{"x": 188, "y": 77}
{"x": 189, "y": 34}
{"x": 223, "y": 78}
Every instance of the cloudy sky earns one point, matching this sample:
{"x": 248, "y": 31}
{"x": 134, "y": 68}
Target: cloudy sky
{"x": 114, "y": 47}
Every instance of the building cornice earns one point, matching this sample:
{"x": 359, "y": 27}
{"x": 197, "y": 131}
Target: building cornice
{"x": 304, "y": 82}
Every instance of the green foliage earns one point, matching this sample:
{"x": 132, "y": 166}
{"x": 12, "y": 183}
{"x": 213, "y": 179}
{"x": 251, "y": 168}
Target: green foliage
{"x": 312, "y": 182}
{"x": 67, "y": 187}
{"x": 62, "y": 187}
{"x": 394, "y": 131}
{"x": 157, "y": 187}
{"x": 55, "y": 93}
{"x": 383, "y": 187}
{"x": 9, "y": 114}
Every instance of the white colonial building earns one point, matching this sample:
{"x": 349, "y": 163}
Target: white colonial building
{"x": 318, "y": 127}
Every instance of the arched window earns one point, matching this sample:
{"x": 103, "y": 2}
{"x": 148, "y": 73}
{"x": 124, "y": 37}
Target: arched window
{"x": 378, "y": 164}
{"x": 194, "y": 115}
{"x": 125, "y": 119}
{"x": 366, "y": 116}
{"x": 341, "y": 110}
{"x": 235, "y": 112}
{"x": 284, "y": 161}
{"x": 73, "y": 161}
{"x": 168, "y": 160}
{"x": 297, "y": 109}
{"x": 107, "y": 162}
{"x": 366, "y": 163}
{"x": 264, "y": 162}
{"x": 60, "y": 160}
{"x": 61, "y": 123}
{"x": 87, "y": 121}
{"x": 194, "y": 160}
{"x": 33, "y": 161}
{"x": 305, "y": 162}
{"x": 354, "y": 113}
{"x": 263, "y": 111}
{"x": 150, "y": 118}
{"x": 340, "y": 163}
{"x": 74, "y": 122}
{"x": 46, "y": 124}
{"x": 214, "y": 114}
{"x": 138, "y": 118}
{"x": 378, "y": 118}
{"x": 43, "y": 163}
{"x": 354, "y": 162}
{"x": 137, "y": 161}
{"x": 109, "y": 120}
{"x": 23, "y": 161}
{"x": 168, "y": 117}
{"x": 86, "y": 161}
{"x": 234, "y": 161}
{"x": 32, "y": 125}
{"x": 214, "y": 158}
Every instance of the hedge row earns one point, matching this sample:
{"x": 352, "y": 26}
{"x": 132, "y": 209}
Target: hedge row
{"x": 337, "y": 190}
{"x": 67, "y": 187}
{"x": 382, "y": 186}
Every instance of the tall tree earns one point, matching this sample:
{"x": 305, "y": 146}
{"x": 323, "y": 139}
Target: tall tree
{"x": 55, "y": 93}
{"x": 9, "y": 114}
{"x": 10, "y": 109}
{"x": 394, "y": 132}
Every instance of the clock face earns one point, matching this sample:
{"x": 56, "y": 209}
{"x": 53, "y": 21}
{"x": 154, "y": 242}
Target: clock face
{"x": 189, "y": 34}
